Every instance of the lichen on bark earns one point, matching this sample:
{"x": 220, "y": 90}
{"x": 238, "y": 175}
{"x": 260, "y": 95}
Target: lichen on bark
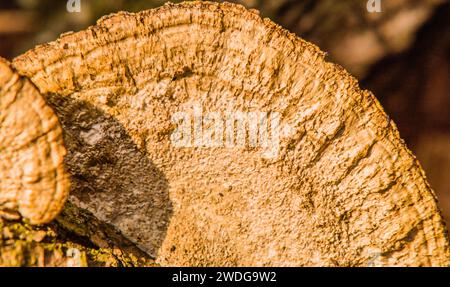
{"x": 75, "y": 239}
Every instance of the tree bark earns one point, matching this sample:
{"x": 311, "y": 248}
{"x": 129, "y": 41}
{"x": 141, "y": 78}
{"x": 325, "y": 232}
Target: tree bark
{"x": 74, "y": 239}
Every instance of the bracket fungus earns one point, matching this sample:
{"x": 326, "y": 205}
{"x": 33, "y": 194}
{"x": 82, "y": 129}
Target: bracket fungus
{"x": 33, "y": 182}
{"x": 337, "y": 187}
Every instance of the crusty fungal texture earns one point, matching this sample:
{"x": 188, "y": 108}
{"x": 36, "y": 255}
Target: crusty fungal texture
{"x": 33, "y": 182}
{"x": 342, "y": 191}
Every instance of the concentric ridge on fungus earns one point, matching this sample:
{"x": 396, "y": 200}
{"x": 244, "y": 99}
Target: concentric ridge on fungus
{"x": 33, "y": 182}
{"x": 342, "y": 190}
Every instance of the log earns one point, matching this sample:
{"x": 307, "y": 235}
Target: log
{"x": 158, "y": 111}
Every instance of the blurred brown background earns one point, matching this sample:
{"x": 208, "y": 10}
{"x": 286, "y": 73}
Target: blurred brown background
{"x": 401, "y": 54}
